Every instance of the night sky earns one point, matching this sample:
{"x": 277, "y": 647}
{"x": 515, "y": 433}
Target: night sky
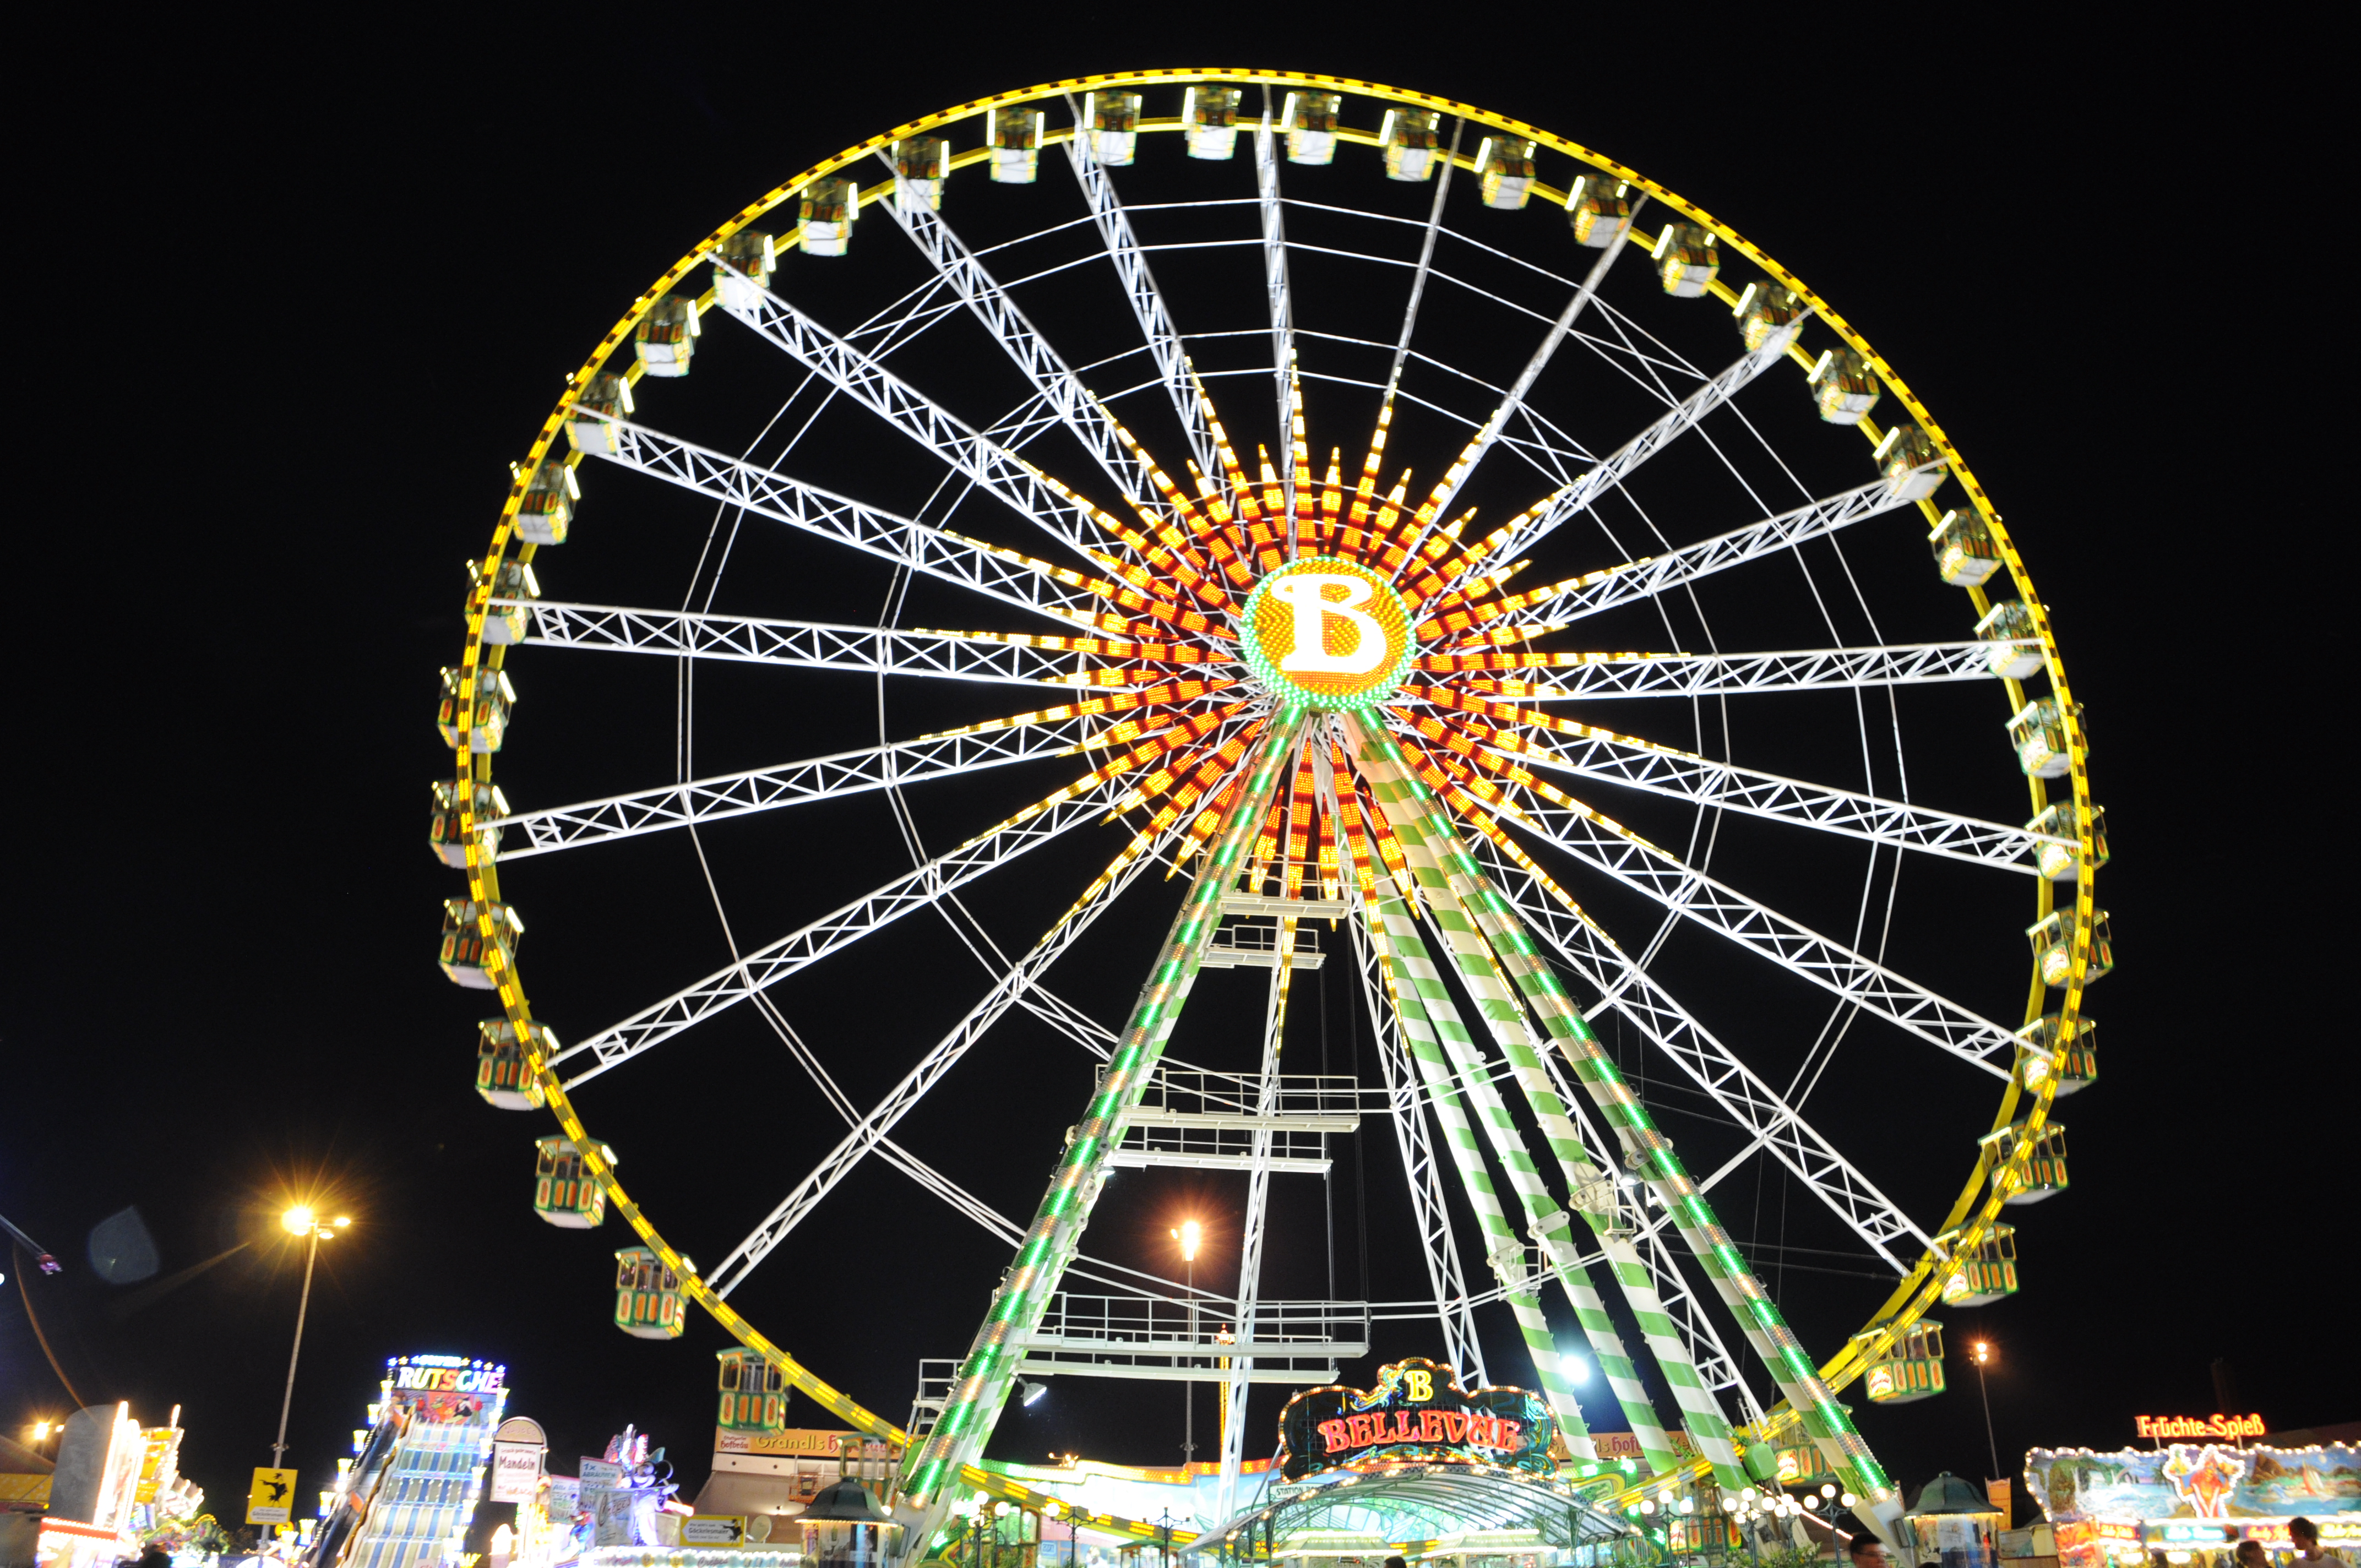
{"x": 307, "y": 294}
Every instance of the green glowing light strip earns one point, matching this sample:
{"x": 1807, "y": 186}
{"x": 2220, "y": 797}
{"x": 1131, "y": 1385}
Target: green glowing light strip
{"x": 1436, "y": 859}
{"x": 989, "y": 1370}
{"x": 1798, "y": 1379}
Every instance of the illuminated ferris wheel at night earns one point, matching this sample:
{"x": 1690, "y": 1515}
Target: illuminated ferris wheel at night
{"x": 1384, "y": 545}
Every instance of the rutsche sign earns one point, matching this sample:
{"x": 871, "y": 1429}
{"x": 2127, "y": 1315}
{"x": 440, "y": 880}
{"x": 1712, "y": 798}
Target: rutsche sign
{"x": 1417, "y": 1414}
{"x": 1327, "y": 633}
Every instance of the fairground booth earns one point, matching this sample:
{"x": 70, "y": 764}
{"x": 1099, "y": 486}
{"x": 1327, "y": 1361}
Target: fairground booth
{"x": 2191, "y": 1502}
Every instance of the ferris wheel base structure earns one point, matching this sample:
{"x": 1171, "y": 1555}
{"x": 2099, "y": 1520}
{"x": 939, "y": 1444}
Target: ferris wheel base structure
{"x": 1321, "y": 695}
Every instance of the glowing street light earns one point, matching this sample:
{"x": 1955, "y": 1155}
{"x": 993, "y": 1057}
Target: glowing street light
{"x": 301, "y": 1220}
{"x": 1983, "y": 1350}
{"x": 1188, "y": 1234}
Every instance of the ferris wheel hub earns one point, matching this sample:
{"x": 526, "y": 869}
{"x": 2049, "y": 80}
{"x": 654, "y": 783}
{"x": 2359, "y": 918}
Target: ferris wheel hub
{"x": 1327, "y": 633}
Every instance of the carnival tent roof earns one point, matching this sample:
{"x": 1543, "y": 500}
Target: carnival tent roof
{"x": 1423, "y": 1502}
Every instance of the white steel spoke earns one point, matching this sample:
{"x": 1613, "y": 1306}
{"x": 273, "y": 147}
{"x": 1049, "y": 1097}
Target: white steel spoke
{"x": 1678, "y": 419}
{"x": 1561, "y": 603}
{"x": 1057, "y": 390}
{"x": 991, "y": 467}
{"x": 1606, "y": 758}
{"x": 1583, "y": 677}
{"x": 1425, "y": 260}
{"x": 1282, "y": 308}
{"x": 1750, "y": 1105}
{"x": 945, "y": 1054}
{"x": 872, "y": 649}
{"x": 916, "y": 889}
{"x": 1130, "y": 260}
{"x": 1515, "y": 399}
{"x": 1641, "y": 866}
{"x": 1000, "y": 573}
{"x": 793, "y": 784}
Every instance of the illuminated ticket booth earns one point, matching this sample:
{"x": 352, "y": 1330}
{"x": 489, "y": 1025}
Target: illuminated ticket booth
{"x": 2207, "y": 1484}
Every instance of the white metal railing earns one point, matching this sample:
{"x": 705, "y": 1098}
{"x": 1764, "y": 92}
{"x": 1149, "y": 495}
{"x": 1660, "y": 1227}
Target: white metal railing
{"x": 1162, "y": 1337}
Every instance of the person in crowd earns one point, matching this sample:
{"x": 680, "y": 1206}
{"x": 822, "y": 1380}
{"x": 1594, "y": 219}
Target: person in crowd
{"x": 2306, "y": 1536}
{"x": 2251, "y": 1554}
{"x": 1865, "y": 1551}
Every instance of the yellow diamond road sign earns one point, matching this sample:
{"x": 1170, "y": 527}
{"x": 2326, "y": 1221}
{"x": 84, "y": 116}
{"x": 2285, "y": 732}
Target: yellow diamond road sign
{"x": 271, "y": 1498}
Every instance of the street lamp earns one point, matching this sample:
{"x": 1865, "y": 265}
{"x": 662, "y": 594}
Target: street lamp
{"x": 301, "y": 1220}
{"x": 1188, "y": 1235}
{"x": 1984, "y": 1354}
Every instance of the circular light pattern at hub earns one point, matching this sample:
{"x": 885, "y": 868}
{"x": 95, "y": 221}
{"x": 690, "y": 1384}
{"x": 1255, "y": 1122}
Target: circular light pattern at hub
{"x": 1328, "y": 633}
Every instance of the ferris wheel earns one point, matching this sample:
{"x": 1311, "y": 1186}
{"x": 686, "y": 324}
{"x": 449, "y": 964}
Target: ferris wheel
{"x": 1417, "y": 545}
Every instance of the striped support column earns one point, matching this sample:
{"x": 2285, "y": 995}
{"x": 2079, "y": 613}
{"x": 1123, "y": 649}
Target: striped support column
{"x": 1651, "y": 1154}
{"x": 1417, "y": 989}
{"x": 990, "y": 1367}
{"x": 1546, "y": 1219}
{"x": 1441, "y": 862}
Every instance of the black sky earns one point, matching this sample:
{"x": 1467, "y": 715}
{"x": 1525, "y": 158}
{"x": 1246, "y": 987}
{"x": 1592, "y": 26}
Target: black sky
{"x": 291, "y": 299}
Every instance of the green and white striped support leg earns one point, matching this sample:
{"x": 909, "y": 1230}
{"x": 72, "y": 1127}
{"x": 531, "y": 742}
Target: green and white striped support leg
{"x": 990, "y": 1367}
{"x": 1549, "y": 1222}
{"x": 1652, "y": 1155}
{"x": 1415, "y": 988}
{"x": 1435, "y": 855}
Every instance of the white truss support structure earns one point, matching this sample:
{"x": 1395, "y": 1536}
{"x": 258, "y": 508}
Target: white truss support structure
{"x": 991, "y": 467}
{"x": 1057, "y": 390}
{"x": 1003, "y": 575}
{"x": 1163, "y": 340}
{"x": 1734, "y": 1088}
{"x": 1675, "y": 422}
{"x": 1603, "y": 675}
{"x": 914, "y": 890}
{"x": 1430, "y": 1214}
{"x": 793, "y": 784}
{"x": 1258, "y": 1213}
{"x": 1013, "y": 984}
{"x": 816, "y": 645}
{"x": 1651, "y": 575}
{"x": 1795, "y": 947}
{"x": 1603, "y": 758}
{"x": 1515, "y": 398}
{"x": 1282, "y": 342}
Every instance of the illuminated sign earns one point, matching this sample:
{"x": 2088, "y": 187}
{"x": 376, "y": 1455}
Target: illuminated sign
{"x": 1417, "y": 1414}
{"x": 2166, "y": 1427}
{"x": 1327, "y": 633}
{"x": 2181, "y": 1533}
{"x": 444, "y": 1373}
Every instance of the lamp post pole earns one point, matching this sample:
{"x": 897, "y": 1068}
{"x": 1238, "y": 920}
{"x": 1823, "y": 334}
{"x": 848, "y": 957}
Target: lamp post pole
{"x": 1983, "y": 1354}
{"x": 303, "y": 1222}
{"x": 1188, "y": 1234}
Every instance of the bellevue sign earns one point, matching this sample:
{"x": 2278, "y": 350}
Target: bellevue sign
{"x": 1417, "y": 1414}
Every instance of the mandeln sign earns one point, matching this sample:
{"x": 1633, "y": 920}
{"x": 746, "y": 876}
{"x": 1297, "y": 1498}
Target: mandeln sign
{"x": 1417, "y": 1414}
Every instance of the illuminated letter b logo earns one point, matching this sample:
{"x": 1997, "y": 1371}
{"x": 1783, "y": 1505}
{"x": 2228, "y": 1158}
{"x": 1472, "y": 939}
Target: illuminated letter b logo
{"x": 1307, "y": 593}
{"x": 1422, "y": 1386}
